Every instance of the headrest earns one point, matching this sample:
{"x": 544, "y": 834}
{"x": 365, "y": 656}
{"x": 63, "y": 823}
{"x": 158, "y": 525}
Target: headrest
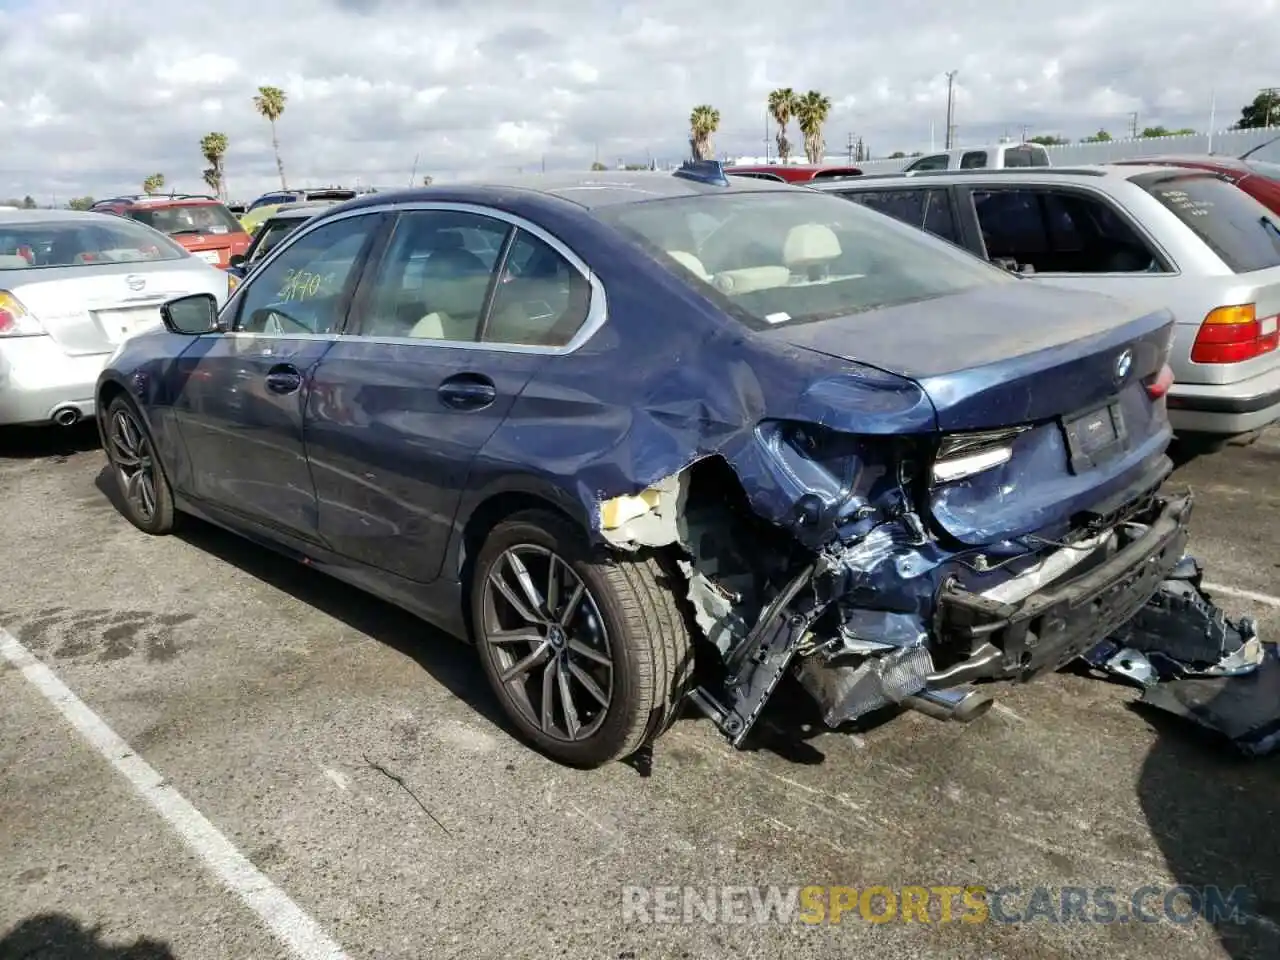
{"x": 810, "y": 243}
{"x": 690, "y": 263}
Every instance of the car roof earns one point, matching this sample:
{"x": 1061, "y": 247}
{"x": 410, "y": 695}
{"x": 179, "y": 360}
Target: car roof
{"x": 296, "y": 211}
{"x": 591, "y": 190}
{"x": 47, "y": 216}
{"x": 1091, "y": 173}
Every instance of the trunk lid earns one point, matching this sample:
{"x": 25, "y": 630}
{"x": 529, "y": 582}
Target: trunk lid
{"x": 90, "y": 309}
{"x": 1066, "y": 368}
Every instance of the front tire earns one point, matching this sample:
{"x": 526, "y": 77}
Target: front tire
{"x": 589, "y": 655}
{"x": 144, "y": 489}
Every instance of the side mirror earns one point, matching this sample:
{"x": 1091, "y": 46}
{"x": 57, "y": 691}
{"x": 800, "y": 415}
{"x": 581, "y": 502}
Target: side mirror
{"x": 191, "y": 315}
{"x": 236, "y": 260}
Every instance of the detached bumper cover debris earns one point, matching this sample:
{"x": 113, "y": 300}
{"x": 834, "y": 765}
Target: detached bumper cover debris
{"x": 1192, "y": 661}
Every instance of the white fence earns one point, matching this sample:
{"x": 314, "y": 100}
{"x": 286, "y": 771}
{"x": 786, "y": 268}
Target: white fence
{"x": 1228, "y": 143}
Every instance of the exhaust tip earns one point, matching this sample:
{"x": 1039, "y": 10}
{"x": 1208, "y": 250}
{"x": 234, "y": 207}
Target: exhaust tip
{"x": 66, "y": 416}
{"x": 959, "y": 704}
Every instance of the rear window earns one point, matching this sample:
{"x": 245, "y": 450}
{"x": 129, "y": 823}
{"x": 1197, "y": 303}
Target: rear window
{"x": 77, "y": 243}
{"x": 1026, "y": 157}
{"x": 188, "y": 219}
{"x": 788, "y": 257}
{"x": 272, "y": 232}
{"x": 1229, "y": 221}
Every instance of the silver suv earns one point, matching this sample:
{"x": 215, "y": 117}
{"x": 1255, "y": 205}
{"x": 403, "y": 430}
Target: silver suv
{"x": 1155, "y": 236}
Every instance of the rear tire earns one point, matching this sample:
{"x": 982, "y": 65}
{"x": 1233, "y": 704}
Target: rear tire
{"x": 553, "y": 617}
{"x": 147, "y": 500}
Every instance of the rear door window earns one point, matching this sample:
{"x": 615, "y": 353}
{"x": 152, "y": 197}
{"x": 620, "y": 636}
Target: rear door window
{"x": 973, "y": 160}
{"x": 904, "y": 205}
{"x": 1231, "y": 223}
{"x": 936, "y": 162}
{"x": 1061, "y": 231}
{"x": 927, "y": 209}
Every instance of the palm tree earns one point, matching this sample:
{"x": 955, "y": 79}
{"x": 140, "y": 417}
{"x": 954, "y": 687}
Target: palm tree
{"x": 782, "y": 106}
{"x": 270, "y": 102}
{"x": 704, "y": 121}
{"x": 214, "y": 148}
{"x": 153, "y": 184}
{"x": 812, "y": 111}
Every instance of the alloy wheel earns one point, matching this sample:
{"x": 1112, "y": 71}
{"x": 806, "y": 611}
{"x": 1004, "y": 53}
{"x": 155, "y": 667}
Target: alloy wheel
{"x": 548, "y": 641}
{"x": 135, "y": 463}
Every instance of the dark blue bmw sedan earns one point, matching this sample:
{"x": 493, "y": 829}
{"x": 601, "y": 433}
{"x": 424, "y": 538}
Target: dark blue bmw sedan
{"x": 651, "y": 439}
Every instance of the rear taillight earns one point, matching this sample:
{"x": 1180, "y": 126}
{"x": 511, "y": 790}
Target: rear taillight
{"x": 962, "y": 455}
{"x": 1234, "y": 334}
{"x": 15, "y": 319}
{"x": 1158, "y": 386}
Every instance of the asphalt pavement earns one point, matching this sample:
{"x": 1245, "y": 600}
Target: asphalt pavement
{"x": 230, "y": 755}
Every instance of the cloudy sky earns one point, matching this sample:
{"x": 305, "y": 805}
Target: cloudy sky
{"x": 97, "y": 95}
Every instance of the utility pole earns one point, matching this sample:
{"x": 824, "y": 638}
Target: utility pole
{"x": 951, "y": 78}
{"x": 766, "y": 135}
{"x": 1133, "y": 125}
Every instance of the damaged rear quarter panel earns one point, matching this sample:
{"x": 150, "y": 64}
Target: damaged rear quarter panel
{"x": 667, "y": 381}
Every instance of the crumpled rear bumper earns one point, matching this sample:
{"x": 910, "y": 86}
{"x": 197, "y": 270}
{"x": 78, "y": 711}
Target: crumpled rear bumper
{"x": 1058, "y": 623}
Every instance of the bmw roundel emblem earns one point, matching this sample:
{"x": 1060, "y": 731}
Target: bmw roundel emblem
{"x": 1124, "y": 363}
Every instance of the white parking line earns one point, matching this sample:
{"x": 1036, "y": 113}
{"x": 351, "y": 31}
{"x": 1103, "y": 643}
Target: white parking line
{"x": 1263, "y": 598}
{"x": 284, "y": 918}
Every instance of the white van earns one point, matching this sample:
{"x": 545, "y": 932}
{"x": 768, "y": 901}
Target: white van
{"x": 994, "y": 157}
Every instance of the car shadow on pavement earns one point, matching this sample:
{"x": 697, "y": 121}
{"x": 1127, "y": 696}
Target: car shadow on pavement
{"x": 448, "y": 660}
{"x": 56, "y": 936}
{"x": 1215, "y": 815}
{"x": 37, "y": 443}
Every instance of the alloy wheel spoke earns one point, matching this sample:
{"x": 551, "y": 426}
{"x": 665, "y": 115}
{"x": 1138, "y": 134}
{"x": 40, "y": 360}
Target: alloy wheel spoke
{"x": 526, "y": 663}
{"x": 500, "y": 584}
{"x": 571, "y": 722}
{"x": 523, "y": 578}
{"x": 123, "y": 456}
{"x": 571, "y": 605}
{"x": 548, "y": 692}
{"x": 146, "y": 490}
{"x": 589, "y": 684}
{"x": 591, "y": 653}
{"x": 553, "y": 586}
{"x": 502, "y": 637}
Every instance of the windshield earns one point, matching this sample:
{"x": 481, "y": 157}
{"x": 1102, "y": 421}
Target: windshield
{"x": 1229, "y": 221}
{"x": 192, "y": 218}
{"x": 89, "y": 242}
{"x": 271, "y": 233}
{"x": 781, "y": 257}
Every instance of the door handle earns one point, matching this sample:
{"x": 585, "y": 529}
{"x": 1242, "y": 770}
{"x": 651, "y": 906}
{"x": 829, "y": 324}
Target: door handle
{"x": 467, "y": 391}
{"x": 284, "y": 378}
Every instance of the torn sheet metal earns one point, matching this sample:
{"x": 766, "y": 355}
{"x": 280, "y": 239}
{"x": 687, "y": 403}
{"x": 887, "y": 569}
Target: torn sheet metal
{"x": 1191, "y": 660}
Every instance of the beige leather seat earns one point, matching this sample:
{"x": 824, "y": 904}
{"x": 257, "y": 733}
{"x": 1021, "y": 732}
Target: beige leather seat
{"x": 751, "y": 279}
{"x": 441, "y": 326}
{"x": 690, "y": 263}
{"x": 810, "y": 248}
{"x": 12, "y": 261}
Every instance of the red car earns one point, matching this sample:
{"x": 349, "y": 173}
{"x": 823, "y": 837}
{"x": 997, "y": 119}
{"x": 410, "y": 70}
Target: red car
{"x": 793, "y": 172}
{"x": 1256, "y": 172}
{"x": 201, "y": 224}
